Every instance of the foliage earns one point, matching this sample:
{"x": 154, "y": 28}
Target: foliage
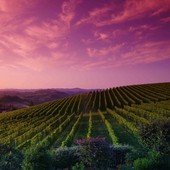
{"x": 56, "y": 123}
{"x": 131, "y": 116}
{"x": 90, "y": 125}
{"x": 156, "y": 135}
{"x": 66, "y": 157}
{"x": 78, "y": 166}
{"x": 135, "y": 154}
{"x": 10, "y": 158}
{"x": 89, "y": 153}
{"x": 150, "y": 162}
{"x": 37, "y": 159}
{"x": 109, "y": 128}
{"x": 96, "y": 152}
{"x": 70, "y": 136}
{"x": 120, "y": 153}
{"x": 24, "y": 128}
{"x": 99, "y": 154}
{"x": 123, "y": 121}
{"x": 147, "y": 159}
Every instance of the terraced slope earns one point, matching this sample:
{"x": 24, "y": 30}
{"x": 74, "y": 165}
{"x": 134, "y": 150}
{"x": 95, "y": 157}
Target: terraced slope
{"x": 114, "y": 113}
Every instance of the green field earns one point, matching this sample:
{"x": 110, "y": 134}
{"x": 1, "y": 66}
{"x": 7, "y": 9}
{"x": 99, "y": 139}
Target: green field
{"x": 114, "y": 114}
{"x": 67, "y": 119}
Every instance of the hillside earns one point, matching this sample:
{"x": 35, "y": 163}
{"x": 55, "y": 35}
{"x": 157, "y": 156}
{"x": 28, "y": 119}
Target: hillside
{"x": 114, "y": 114}
{"x": 15, "y": 99}
{"x": 6, "y": 99}
{"x": 9, "y": 103}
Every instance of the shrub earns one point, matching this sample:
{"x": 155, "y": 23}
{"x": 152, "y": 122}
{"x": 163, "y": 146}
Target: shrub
{"x": 78, "y": 166}
{"x": 149, "y": 162}
{"x": 10, "y": 158}
{"x": 147, "y": 159}
{"x": 156, "y": 135}
{"x": 120, "y": 153}
{"x": 135, "y": 154}
{"x": 89, "y": 153}
{"x": 37, "y": 159}
{"x": 66, "y": 157}
{"x": 96, "y": 152}
{"x": 100, "y": 154}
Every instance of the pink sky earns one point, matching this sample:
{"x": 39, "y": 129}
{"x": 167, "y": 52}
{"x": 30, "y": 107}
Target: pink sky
{"x": 83, "y": 43}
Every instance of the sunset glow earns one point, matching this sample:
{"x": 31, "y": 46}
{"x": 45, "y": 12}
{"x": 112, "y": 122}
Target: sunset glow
{"x": 83, "y": 43}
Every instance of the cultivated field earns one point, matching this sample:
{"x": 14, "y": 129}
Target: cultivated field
{"x": 114, "y": 114}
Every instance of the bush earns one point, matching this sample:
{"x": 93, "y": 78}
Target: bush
{"x": 96, "y": 152}
{"x": 90, "y": 153}
{"x": 135, "y": 154}
{"x": 100, "y": 154}
{"x": 78, "y": 166}
{"x": 93, "y": 153}
{"x": 37, "y": 159}
{"x": 148, "y": 159}
{"x": 149, "y": 162}
{"x": 66, "y": 157}
{"x": 120, "y": 153}
{"x": 10, "y": 158}
{"x": 156, "y": 135}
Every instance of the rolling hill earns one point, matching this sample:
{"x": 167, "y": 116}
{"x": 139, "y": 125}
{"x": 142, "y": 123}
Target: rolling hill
{"x": 114, "y": 113}
{"x": 13, "y": 99}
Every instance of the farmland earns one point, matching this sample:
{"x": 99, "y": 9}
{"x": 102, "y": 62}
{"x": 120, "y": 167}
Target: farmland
{"x": 115, "y": 114}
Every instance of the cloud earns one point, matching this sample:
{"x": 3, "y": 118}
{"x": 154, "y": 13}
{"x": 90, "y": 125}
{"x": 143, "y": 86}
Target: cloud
{"x": 105, "y": 51}
{"x": 146, "y": 52}
{"x": 96, "y": 15}
{"x": 141, "y": 31}
{"x": 94, "y": 64}
{"x": 36, "y": 41}
{"x": 105, "y": 37}
{"x": 53, "y": 45}
{"x": 27, "y": 37}
{"x": 46, "y": 31}
{"x": 53, "y": 33}
{"x": 58, "y": 55}
{"x": 18, "y": 44}
{"x": 144, "y": 27}
{"x": 138, "y": 9}
{"x": 165, "y": 20}
{"x": 120, "y": 56}
{"x": 87, "y": 41}
{"x": 15, "y": 6}
{"x": 101, "y": 35}
{"x": 34, "y": 63}
{"x": 68, "y": 11}
{"x": 12, "y": 10}
{"x": 131, "y": 10}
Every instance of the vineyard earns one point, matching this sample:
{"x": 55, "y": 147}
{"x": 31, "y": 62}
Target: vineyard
{"x": 114, "y": 113}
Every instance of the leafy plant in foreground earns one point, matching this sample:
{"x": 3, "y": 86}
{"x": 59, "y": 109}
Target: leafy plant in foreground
{"x": 37, "y": 159}
{"x": 97, "y": 153}
{"x": 10, "y": 158}
{"x": 156, "y": 135}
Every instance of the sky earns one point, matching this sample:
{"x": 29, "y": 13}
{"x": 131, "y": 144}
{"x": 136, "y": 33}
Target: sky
{"x": 84, "y": 43}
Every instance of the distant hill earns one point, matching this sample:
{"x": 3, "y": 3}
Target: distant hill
{"x": 6, "y": 99}
{"x": 8, "y": 103}
{"x": 74, "y": 90}
{"x": 12, "y": 99}
{"x": 41, "y": 96}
